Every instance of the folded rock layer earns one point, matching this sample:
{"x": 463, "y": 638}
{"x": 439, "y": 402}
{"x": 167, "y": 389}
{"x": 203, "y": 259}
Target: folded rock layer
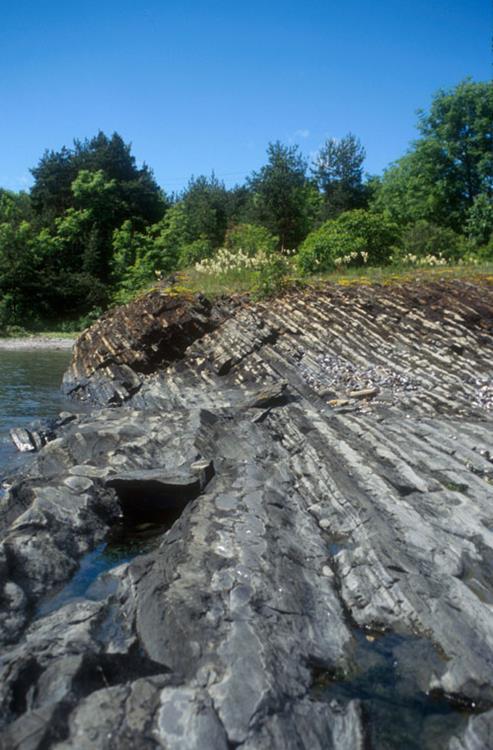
{"x": 317, "y": 569}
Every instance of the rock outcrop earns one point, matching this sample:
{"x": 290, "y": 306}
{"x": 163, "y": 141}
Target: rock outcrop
{"x": 135, "y": 339}
{"x": 274, "y": 530}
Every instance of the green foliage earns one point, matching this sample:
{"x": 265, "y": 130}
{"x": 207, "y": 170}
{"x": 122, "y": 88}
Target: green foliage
{"x": 169, "y": 236}
{"x": 479, "y": 225}
{"x": 279, "y": 195}
{"x": 449, "y": 165}
{"x": 7, "y": 312}
{"x": 133, "y": 263}
{"x": 82, "y": 195}
{"x": 423, "y": 238}
{"x": 271, "y": 277}
{"x": 205, "y": 204}
{"x": 251, "y": 238}
{"x": 141, "y": 257}
{"x": 194, "y": 252}
{"x": 460, "y": 122}
{"x": 96, "y": 227}
{"x": 355, "y": 235}
{"x": 407, "y": 192}
{"x": 128, "y": 244}
{"x": 338, "y": 172}
{"x": 52, "y": 192}
{"x": 486, "y": 253}
{"x": 14, "y": 207}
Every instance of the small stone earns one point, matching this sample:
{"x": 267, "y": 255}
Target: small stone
{"x": 86, "y": 470}
{"x": 22, "y": 440}
{"x": 327, "y": 572}
{"x": 78, "y": 483}
{"x": 364, "y": 393}
{"x": 324, "y": 523}
{"x": 328, "y": 393}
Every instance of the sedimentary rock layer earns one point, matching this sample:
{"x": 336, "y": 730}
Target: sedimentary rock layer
{"x": 325, "y": 582}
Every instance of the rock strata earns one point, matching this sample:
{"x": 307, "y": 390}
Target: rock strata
{"x": 135, "y": 339}
{"x": 325, "y": 577}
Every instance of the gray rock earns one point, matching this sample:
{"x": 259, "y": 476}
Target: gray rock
{"x": 248, "y": 619}
{"x": 23, "y": 440}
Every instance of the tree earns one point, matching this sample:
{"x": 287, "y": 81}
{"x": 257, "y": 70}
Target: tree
{"x": 205, "y": 202}
{"x": 139, "y": 256}
{"x": 280, "y": 193}
{"x": 460, "y": 123}
{"x": 338, "y": 172}
{"x": 15, "y": 207}
{"x": 52, "y": 192}
{"x": 449, "y": 165}
{"x": 83, "y": 194}
{"x": 101, "y": 200}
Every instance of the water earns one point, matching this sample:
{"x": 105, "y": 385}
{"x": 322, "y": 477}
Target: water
{"x": 389, "y": 676}
{"x": 29, "y": 390}
{"x": 123, "y": 543}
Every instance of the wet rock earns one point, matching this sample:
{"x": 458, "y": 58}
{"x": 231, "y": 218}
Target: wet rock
{"x": 23, "y": 440}
{"x": 322, "y": 551}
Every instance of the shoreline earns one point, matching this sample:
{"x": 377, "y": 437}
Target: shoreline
{"x": 27, "y": 343}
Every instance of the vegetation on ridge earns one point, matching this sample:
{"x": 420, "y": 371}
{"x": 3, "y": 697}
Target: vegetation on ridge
{"x": 95, "y": 228}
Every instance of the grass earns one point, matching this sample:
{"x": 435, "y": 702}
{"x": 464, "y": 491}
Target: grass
{"x": 21, "y": 333}
{"x": 398, "y": 274}
{"x": 244, "y": 281}
{"x": 232, "y": 282}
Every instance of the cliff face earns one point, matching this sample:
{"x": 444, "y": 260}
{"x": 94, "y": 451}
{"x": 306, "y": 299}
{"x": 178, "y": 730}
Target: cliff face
{"x": 307, "y": 482}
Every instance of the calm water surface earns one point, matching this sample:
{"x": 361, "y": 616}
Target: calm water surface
{"x": 29, "y": 390}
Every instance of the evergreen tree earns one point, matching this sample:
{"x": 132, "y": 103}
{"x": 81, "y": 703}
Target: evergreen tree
{"x": 205, "y": 203}
{"x": 280, "y": 194}
{"x": 338, "y": 172}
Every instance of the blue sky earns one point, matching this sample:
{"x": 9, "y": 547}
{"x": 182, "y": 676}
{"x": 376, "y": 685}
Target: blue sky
{"x": 199, "y": 86}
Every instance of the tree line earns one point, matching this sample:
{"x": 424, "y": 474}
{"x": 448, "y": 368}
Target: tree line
{"x": 95, "y": 226}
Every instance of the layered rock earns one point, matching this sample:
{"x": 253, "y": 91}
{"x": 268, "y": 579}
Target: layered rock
{"x": 325, "y": 582}
{"x": 135, "y": 339}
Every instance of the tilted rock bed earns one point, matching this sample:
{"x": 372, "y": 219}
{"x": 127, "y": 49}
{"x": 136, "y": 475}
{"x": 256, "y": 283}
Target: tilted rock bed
{"x": 322, "y": 574}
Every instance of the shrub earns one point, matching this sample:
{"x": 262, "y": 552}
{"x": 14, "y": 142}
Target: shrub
{"x": 485, "y": 254}
{"x": 251, "y": 238}
{"x": 196, "y": 251}
{"x": 479, "y": 225}
{"x": 355, "y": 237}
{"x": 424, "y": 239}
{"x": 271, "y": 276}
{"x": 263, "y": 273}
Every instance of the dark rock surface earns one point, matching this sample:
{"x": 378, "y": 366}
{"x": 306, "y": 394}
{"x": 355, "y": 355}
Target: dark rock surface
{"x": 327, "y": 582}
{"x": 154, "y": 330}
